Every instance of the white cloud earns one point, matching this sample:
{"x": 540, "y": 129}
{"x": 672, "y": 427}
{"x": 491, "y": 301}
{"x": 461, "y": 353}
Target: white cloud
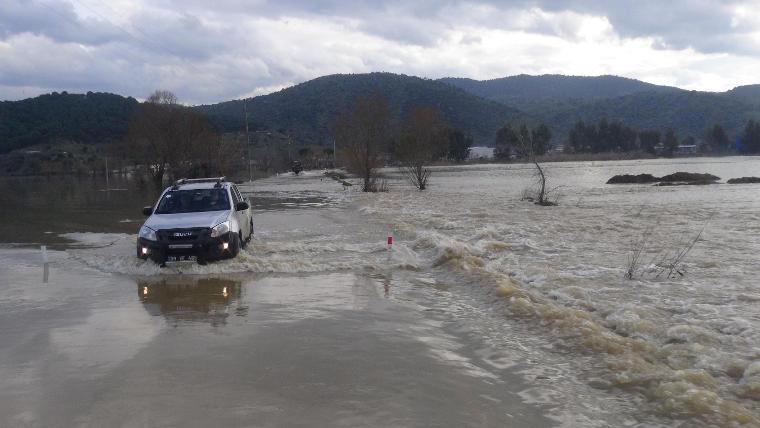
{"x": 209, "y": 52}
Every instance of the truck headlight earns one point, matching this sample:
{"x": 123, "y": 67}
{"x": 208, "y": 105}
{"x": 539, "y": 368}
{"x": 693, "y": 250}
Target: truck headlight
{"x": 220, "y": 229}
{"x": 148, "y": 233}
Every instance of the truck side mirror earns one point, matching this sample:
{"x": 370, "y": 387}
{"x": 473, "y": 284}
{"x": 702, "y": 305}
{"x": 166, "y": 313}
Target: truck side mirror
{"x": 147, "y": 211}
{"x": 242, "y": 206}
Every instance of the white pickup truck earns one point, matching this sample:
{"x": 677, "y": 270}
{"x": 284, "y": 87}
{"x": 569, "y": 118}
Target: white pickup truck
{"x": 196, "y": 219}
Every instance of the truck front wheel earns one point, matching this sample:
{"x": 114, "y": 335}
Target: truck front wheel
{"x": 234, "y": 245}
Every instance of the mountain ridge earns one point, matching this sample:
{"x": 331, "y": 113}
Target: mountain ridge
{"x": 307, "y": 111}
{"x": 524, "y": 87}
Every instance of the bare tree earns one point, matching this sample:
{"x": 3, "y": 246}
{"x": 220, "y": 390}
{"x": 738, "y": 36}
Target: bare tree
{"x": 529, "y": 143}
{"x": 162, "y": 97}
{"x": 270, "y": 152}
{"x": 220, "y": 155}
{"x": 363, "y": 135}
{"x": 638, "y": 249}
{"x": 164, "y": 134}
{"x": 424, "y": 135}
{"x": 264, "y": 158}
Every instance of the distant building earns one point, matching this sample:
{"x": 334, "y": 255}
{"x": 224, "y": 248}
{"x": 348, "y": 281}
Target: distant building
{"x": 686, "y": 149}
{"x": 480, "y": 153}
{"x": 681, "y": 150}
{"x": 559, "y": 148}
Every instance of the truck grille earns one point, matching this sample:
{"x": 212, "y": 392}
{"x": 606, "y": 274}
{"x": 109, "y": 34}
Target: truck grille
{"x": 181, "y": 235}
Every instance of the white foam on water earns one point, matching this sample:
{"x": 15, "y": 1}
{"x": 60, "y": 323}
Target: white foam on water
{"x": 682, "y": 344}
{"x": 118, "y": 257}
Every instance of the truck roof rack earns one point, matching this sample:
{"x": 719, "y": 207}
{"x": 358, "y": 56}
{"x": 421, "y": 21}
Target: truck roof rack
{"x": 181, "y": 181}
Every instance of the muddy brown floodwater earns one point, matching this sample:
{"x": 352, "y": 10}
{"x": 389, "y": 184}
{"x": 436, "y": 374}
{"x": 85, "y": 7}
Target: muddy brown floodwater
{"x": 294, "y": 333}
{"x": 488, "y": 311}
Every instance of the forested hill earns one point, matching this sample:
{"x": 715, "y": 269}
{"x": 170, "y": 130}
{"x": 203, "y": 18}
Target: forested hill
{"x": 560, "y": 101}
{"x": 87, "y": 118}
{"x": 747, "y": 93}
{"x": 307, "y": 111}
{"x": 516, "y": 90}
{"x": 688, "y": 113}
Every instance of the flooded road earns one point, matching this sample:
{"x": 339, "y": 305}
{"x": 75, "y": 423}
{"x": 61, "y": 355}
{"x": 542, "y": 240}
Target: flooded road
{"x": 488, "y": 311}
{"x": 307, "y": 328}
{"x": 322, "y": 350}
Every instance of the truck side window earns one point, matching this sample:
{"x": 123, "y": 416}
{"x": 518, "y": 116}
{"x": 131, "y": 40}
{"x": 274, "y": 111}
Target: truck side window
{"x": 239, "y": 195}
{"x": 235, "y": 197}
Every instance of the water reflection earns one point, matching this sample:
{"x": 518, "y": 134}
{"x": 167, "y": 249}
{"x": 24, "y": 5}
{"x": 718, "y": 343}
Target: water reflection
{"x": 186, "y": 299}
{"x": 55, "y": 205}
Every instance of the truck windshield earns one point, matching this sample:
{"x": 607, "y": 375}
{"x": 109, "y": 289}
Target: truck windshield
{"x": 191, "y": 201}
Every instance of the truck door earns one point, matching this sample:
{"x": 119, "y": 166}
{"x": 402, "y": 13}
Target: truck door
{"x": 244, "y": 217}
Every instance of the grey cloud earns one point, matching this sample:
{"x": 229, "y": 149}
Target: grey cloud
{"x": 469, "y": 39}
{"x": 704, "y": 25}
{"x": 404, "y": 29}
{"x": 56, "y": 20}
{"x": 213, "y": 51}
{"x": 182, "y": 35}
{"x": 35, "y": 61}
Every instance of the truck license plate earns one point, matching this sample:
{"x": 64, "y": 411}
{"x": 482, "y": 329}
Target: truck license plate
{"x": 181, "y": 258}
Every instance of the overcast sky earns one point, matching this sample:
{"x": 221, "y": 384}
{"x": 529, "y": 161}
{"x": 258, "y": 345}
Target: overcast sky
{"x": 210, "y": 51}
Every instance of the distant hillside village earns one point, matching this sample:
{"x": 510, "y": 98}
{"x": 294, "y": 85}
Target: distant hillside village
{"x": 74, "y": 133}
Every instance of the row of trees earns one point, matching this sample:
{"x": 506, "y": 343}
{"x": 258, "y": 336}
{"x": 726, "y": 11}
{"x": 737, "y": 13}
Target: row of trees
{"x": 750, "y": 142}
{"x": 367, "y": 138}
{"x": 510, "y": 141}
{"x": 166, "y": 138}
{"x": 605, "y": 137}
{"x": 614, "y": 136}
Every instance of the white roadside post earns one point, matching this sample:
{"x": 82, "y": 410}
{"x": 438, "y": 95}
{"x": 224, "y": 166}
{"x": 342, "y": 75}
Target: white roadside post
{"x": 45, "y": 264}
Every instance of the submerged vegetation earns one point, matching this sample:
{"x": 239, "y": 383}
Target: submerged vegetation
{"x": 663, "y": 262}
{"x": 424, "y": 134}
{"x": 677, "y": 178}
{"x": 744, "y": 180}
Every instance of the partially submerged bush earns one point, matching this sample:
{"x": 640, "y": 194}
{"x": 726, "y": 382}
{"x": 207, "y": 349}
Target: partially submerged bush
{"x": 689, "y": 177}
{"x": 633, "y": 179}
{"x": 667, "y": 262}
{"x": 675, "y": 179}
{"x": 744, "y": 180}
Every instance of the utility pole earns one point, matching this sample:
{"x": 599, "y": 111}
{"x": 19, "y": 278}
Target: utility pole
{"x": 247, "y": 139}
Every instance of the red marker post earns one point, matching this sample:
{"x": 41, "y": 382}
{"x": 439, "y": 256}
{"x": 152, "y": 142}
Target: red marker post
{"x": 390, "y": 241}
